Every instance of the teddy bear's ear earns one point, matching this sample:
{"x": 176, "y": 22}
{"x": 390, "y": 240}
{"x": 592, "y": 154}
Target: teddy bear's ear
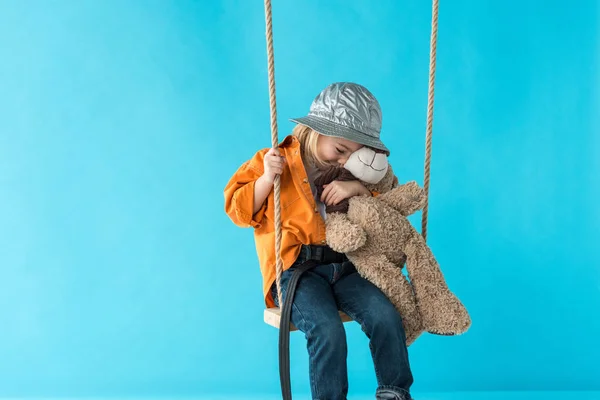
{"x": 367, "y": 165}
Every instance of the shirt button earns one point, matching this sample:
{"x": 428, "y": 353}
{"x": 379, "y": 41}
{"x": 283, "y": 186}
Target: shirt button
{"x": 323, "y": 241}
{"x": 305, "y": 180}
{"x": 316, "y": 209}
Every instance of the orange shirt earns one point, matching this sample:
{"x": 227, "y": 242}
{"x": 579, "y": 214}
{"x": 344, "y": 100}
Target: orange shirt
{"x": 300, "y": 218}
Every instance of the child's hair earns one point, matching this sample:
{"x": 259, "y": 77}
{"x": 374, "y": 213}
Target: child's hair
{"x": 308, "y": 143}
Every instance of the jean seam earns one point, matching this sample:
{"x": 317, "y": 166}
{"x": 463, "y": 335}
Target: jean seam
{"x": 310, "y": 350}
{"x": 372, "y": 348}
{"x": 363, "y": 328}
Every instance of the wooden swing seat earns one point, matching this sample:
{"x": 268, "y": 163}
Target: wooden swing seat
{"x": 272, "y": 317}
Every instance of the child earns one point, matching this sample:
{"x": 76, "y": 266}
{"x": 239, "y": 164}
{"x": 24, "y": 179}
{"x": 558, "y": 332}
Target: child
{"x": 342, "y": 118}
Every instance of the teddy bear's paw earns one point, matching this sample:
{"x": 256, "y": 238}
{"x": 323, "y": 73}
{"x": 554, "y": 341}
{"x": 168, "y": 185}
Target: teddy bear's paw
{"x": 414, "y": 197}
{"x": 354, "y": 238}
{"x": 412, "y": 334}
{"x": 444, "y": 314}
{"x": 413, "y": 326}
{"x": 407, "y": 198}
{"x": 412, "y": 188}
{"x": 344, "y": 236}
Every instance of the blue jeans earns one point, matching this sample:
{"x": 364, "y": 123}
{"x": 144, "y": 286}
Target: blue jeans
{"x": 320, "y": 293}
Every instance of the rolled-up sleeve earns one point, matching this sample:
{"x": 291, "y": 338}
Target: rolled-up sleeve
{"x": 239, "y": 194}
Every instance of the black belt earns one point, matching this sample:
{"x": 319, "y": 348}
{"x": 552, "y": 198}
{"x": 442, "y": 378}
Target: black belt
{"x": 321, "y": 254}
{"x": 310, "y": 256}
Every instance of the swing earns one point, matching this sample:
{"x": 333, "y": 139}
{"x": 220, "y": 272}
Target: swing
{"x": 272, "y": 316}
{"x": 279, "y": 317}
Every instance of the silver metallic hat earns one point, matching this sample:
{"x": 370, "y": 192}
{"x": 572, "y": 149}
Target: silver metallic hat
{"x": 346, "y": 110}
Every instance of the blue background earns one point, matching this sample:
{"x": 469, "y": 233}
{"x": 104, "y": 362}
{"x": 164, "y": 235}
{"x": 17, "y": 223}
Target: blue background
{"x": 121, "y": 121}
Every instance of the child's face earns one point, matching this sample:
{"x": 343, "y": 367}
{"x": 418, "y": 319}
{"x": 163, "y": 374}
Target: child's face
{"x": 335, "y": 151}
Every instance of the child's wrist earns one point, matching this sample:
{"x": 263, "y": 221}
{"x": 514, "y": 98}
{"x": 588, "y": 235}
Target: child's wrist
{"x": 361, "y": 189}
{"x": 266, "y": 179}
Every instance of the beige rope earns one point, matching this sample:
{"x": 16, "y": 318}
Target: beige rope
{"x": 432, "y": 53}
{"x": 274, "y": 144}
{"x": 275, "y": 141}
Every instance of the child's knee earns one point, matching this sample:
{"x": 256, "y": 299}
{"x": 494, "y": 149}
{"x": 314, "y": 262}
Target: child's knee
{"x": 385, "y": 319}
{"x": 329, "y": 331}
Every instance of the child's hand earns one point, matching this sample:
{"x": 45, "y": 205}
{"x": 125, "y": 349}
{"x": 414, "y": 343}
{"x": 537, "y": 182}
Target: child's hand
{"x": 337, "y": 191}
{"x": 273, "y": 165}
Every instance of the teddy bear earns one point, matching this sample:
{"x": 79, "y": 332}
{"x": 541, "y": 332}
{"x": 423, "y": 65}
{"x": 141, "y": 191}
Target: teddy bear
{"x": 377, "y": 237}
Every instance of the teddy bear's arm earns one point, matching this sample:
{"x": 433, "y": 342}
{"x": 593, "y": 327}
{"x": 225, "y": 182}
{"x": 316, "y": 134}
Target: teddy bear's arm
{"x": 406, "y": 198}
{"x": 343, "y": 236}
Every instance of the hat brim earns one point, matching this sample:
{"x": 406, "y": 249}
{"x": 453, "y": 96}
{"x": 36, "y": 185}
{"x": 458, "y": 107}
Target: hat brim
{"x": 328, "y": 128}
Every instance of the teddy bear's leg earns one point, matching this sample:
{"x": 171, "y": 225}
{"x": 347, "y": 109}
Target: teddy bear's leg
{"x": 343, "y": 235}
{"x": 407, "y": 198}
{"x": 441, "y": 311}
{"x": 389, "y": 279}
